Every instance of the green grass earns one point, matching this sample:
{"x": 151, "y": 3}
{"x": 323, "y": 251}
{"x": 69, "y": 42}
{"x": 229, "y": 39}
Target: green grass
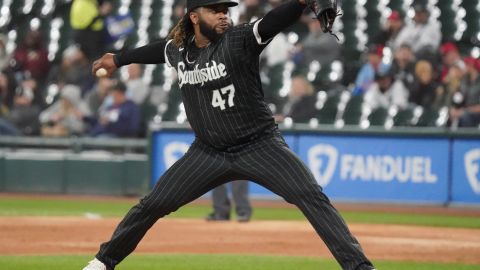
{"x": 210, "y": 262}
{"x": 62, "y": 207}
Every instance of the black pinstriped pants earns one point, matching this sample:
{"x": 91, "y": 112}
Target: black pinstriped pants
{"x": 267, "y": 161}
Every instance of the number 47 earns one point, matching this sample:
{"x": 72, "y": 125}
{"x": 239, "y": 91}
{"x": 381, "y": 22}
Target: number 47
{"x": 217, "y": 99}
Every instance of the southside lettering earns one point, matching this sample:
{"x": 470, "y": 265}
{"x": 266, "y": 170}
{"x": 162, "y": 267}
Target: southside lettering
{"x": 211, "y": 72}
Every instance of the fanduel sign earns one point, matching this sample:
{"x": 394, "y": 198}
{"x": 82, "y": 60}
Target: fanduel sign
{"x": 472, "y": 162}
{"x": 384, "y": 168}
{"x": 322, "y": 159}
{"x": 466, "y": 171}
{"x": 415, "y": 169}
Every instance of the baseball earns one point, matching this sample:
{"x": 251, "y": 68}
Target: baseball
{"x": 101, "y": 72}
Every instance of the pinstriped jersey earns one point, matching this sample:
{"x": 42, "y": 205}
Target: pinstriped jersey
{"x": 221, "y": 87}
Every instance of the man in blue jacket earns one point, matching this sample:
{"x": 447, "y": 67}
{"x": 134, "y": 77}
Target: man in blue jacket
{"x": 121, "y": 119}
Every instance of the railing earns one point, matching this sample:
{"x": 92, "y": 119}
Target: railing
{"x": 76, "y": 144}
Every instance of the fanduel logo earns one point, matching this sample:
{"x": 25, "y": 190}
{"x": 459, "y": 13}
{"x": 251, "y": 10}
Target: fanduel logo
{"x": 210, "y": 72}
{"x": 415, "y": 169}
{"x": 472, "y": 168}
{"x": 173, "y": 152}
{"x": 323, "y": 159}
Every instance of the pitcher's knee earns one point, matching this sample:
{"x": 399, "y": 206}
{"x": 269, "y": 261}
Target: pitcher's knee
{"x": 157, "y": 207}
{"x": 309, "y": 196}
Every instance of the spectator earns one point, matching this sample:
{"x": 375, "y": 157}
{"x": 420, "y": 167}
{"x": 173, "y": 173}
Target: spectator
{"x": 425, "y": 90}
{"x": 65, "y": 117}
{"x": 389, "y": 36}
{"x": 86, "y": 19}
{"x": 4, "y": 56}
{"x": 23, "y": 118}
{"x": 74, "y": 69}
{"x": 137, "y": 89}
{"x": 319, "y": 46}
{"x": 301, "y": 101}
{"x": 31, "y": 58}
{"x": 178, "y": 13}
{"x": 423, "y": 34}
{"x": 450, "y": 56}
{"x": 121, "y": 119}
{"x": 467, "y": 111}
{"x": 7, "y": 91}
{"x": 252, "y": 10}
{"x": 386, "y": 92}
{"x": 403, "y": 66}
{"x": 452, "y": 83}
{"x": 366, "y": 75}
{"x": 95, "y": 98}
{"x": 35, "y": 87}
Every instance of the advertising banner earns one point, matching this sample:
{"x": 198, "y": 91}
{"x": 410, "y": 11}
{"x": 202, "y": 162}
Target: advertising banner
{"x": 379, "y": 168}
{"x": 466, "y": 172}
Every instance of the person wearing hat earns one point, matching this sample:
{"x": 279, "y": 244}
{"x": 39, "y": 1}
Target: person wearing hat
{"x": 423, "y": 33}
{"x": 467, "y": 111}
{"x": 386, "y": 92}
{"x": 121, "y": 118}
{"x": 389, "y": 34}
{"x": 235, "y": 133}
{"x": 366, "y": 75}
{"x": 450, "y": 56}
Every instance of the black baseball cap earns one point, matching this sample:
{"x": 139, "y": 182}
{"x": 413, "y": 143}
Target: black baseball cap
{"x": 193, "y": 4}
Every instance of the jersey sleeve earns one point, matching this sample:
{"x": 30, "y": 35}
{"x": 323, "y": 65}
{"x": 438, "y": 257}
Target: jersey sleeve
{"x": 171, "y": 54}
{"x": 254, "y": 37}
{"x": 154, "y": 53}
{"x": 245, "y": 39}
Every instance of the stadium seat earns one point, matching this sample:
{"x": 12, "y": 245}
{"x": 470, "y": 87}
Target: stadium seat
{"x": 373, "y": 18}
{"x": 471, "y": 19}
{"x": 174, "y": 100}
{"x": 403, "y": 117}
{"x": 156, "y": 20}
{"x": 428, "y": 118}
{"x": 327, "y": 107}
{"x": 157, "y": 75}
{"x": 378, "y": 117}
{"x": 274, "y": 83}
{"x": 395, "y": 5}
{"x": 353, "y": 110}
{"x": 147, "y": 112}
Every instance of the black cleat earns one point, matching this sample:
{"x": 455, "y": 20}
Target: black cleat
{"x": 243, "y": 218}
{"x": 217, "y": 217}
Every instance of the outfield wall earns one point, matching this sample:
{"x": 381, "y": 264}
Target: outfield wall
{"x": 73, "y": 166}
{"x": 411, "y": 166}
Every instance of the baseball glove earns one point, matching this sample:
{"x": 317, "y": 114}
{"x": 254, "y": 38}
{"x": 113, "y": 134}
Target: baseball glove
{"x": 325, "y": 12}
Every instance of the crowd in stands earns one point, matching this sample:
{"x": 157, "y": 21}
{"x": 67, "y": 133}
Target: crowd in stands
{"x": 407, "y": 64}
{"x": 422, "y": 70}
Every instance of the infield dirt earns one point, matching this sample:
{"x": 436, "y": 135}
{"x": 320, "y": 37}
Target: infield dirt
{"x": 77, "y": 235}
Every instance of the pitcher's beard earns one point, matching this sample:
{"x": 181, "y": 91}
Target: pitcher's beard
{"x": 209, "y": 32}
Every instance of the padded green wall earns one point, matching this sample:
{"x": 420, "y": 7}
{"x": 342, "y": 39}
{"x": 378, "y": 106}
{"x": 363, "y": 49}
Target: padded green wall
{"x": 103, "y": 174}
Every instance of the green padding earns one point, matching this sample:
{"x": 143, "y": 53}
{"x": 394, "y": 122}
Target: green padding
{"x": 136, "y": 175}
{"x": 94, "y": 176}
{"x": 33, "y": 172}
